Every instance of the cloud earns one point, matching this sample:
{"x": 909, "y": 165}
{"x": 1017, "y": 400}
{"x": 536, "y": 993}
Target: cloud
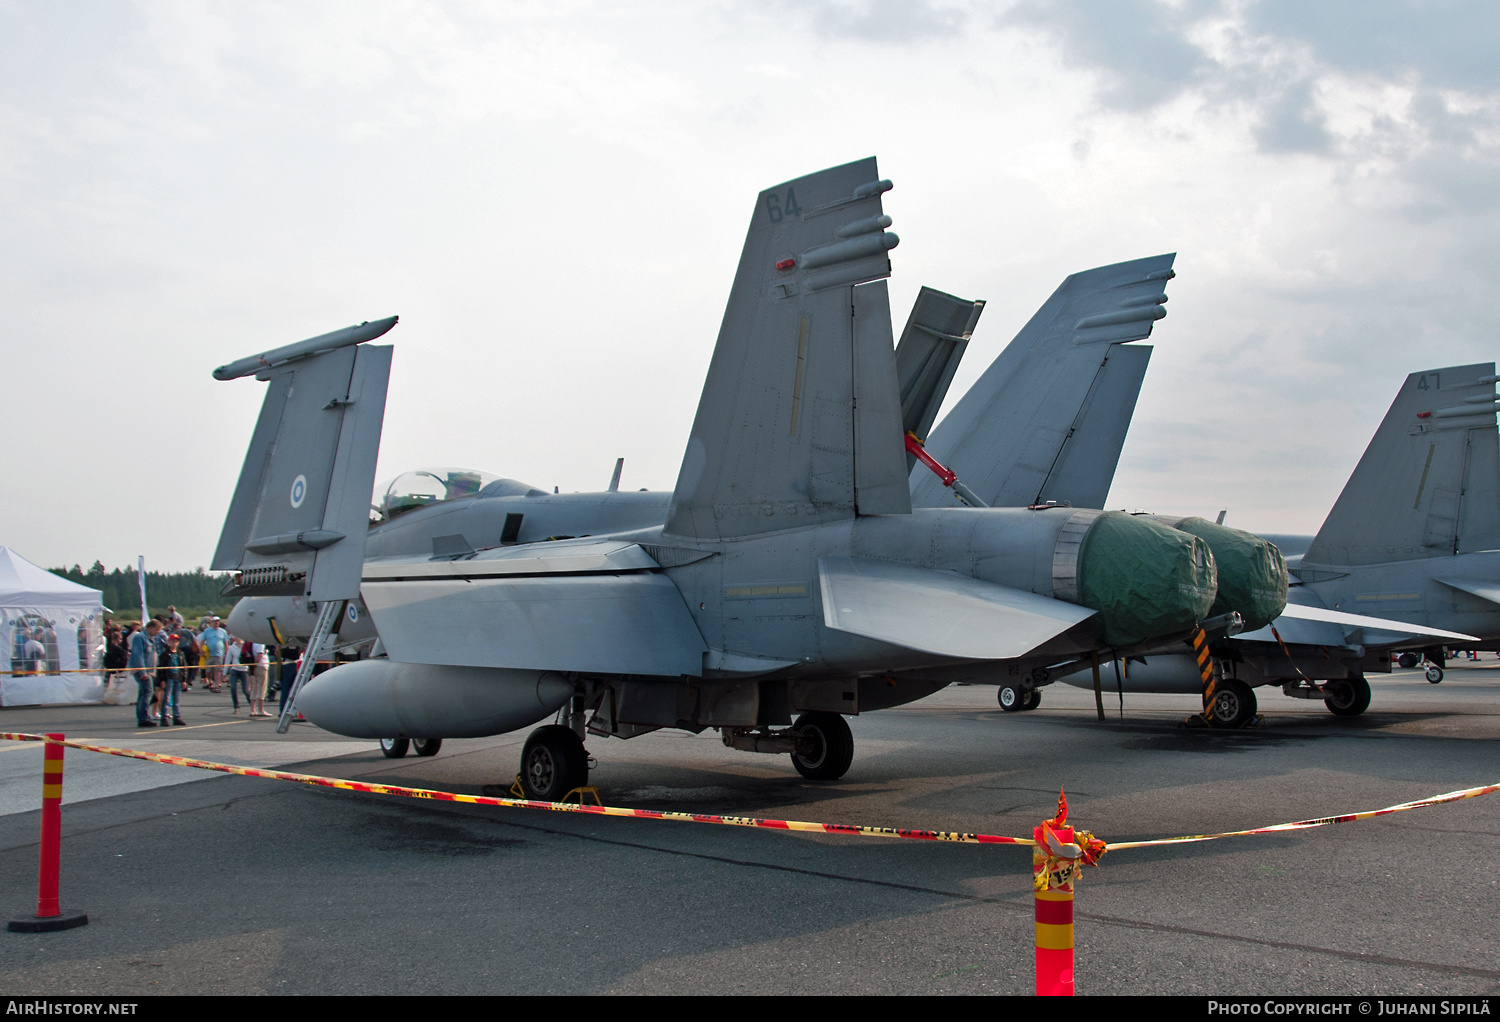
{"x": 883, "y": 21}
{"x": 1447, "y": 43}
{"x": 1139, "y": 44}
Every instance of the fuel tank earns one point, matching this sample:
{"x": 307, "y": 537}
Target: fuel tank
{"x": 385, "y": 699}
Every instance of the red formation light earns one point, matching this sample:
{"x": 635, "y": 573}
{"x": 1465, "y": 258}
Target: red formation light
{"x": 786, "y": 264}
{"x": 1424, "y": 415}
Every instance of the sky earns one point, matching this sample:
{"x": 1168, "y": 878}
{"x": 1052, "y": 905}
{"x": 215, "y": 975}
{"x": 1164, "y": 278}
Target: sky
{"x": 553, "y": 196}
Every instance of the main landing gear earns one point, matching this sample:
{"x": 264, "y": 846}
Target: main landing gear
{"x": 1233, "y": 704}
{"x": 824, "y": 746}
{"x": 1014, "y": 698}
{"x": 819, "y": 742}
{"x": 1347, "y": 697}
{"x": 1344, "y": 697}
{"x": 553, "y": 763}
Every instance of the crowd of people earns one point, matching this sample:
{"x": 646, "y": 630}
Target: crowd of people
{"x": 165, "y": 657}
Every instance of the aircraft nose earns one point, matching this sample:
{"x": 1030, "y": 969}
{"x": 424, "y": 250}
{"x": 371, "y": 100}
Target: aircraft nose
{"x": 1146, "y": 580}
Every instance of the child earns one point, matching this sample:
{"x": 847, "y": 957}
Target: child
{"x": 169, "y": 672}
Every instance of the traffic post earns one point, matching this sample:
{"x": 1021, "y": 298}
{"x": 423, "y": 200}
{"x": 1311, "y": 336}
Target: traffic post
{"x": 49, "y": 914}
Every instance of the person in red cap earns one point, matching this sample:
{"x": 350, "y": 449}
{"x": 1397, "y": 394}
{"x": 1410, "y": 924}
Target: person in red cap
{"x": 169, "y": 671}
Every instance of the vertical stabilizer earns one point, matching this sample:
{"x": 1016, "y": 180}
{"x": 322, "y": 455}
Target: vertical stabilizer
{"x": 1009, "y": 437}
{"x": 297, "y": 523}
{"x": 1428, "y": 484}
{"x": 800, "y": 422}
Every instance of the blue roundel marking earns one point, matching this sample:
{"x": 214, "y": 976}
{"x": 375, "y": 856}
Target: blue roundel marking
{"x": 299, "y": 490}
{"x": 353, "y": 613}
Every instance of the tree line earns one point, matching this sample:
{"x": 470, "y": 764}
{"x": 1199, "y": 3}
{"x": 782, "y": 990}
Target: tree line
{"x": 195, "y": 590}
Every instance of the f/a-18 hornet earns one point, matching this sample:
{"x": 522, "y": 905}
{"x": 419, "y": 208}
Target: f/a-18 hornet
{"x": 1414, "y": 537}
{"x": 792, "y": 582}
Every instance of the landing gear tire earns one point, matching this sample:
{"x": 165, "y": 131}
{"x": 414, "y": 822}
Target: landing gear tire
{"x": 1233, "y": 704}
{"x": 825, "y": 746}
{"x": 426, "y": 746}
{"x": 1347, "y": 697}
{"x": 1011, "y": 698}
{"x": 553, "y": 763}
{"x": 1032, "y": 700}
{"x": 1408, "y": 660}
{"x": 394, "y": 748}
{"x": 1434, "y": 675}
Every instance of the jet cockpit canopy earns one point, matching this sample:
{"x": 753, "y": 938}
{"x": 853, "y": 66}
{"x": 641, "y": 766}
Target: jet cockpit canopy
{"x": 424, "y": 486}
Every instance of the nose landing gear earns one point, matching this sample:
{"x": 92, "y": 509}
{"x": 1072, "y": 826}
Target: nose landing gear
{"x": 1014, "y": 698}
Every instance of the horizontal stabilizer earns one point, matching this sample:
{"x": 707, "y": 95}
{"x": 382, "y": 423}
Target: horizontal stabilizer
{"x": 938, "y": 611}
{"x": 1338, "y": 617}
{"x": 1475, "y": 587}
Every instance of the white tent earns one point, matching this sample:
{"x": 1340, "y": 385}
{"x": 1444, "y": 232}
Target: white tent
{"x": 51, "y": 638}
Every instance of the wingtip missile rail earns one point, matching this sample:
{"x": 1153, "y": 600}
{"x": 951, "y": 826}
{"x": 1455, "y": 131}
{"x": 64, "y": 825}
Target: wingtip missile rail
{"x": 357, "y": 334}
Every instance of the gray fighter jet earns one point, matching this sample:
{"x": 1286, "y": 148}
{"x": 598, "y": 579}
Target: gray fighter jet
{"x": 791, "y": 583}
{"x": 1412, "y": 546}
{"x": 1078, "y": 388}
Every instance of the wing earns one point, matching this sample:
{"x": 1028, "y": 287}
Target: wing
{"x": 1399, "y": 628}
{"x": 582, "y": 605}
{"x": 938, "y": 611}
{"x": 297, "y": 523}
{"x": 799, "y": 422}
{"x": 1048, "y": 417}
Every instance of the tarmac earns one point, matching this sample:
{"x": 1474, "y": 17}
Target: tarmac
{"x": 212, "y": 884}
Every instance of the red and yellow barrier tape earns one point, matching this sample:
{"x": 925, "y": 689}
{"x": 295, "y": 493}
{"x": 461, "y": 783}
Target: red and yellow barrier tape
{"x": 1095, "y": 847}
{"x": 517, "y": 803}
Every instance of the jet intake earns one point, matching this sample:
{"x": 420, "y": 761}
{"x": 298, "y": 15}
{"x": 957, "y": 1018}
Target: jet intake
{"x": 1252, "y": 573}
{"x": 386, "y": 699}
{"x": 1144, "y": 579}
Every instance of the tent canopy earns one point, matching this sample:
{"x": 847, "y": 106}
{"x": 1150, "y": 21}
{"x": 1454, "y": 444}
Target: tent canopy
{"x": 23, "y": 584}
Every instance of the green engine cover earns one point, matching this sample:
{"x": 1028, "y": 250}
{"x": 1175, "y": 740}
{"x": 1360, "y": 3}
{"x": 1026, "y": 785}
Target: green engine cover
{"x": 1145, "y": 579}
{"x": 1252, "y": 572}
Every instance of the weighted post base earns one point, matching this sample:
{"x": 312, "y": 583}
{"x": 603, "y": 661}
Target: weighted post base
{"x": 48, "y": 924}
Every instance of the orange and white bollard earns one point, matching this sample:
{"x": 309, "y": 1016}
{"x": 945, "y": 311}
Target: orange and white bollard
{"x": 49, "y": 914}
{"x": 1056, "y": 862}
